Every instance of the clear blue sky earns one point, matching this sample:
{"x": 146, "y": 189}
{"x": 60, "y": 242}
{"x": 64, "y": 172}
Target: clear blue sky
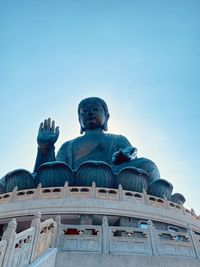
{"x": 141, "y": 56}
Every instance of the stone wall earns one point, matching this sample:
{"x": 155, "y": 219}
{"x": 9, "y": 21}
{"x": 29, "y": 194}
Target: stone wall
{"x": 64, "y": 259}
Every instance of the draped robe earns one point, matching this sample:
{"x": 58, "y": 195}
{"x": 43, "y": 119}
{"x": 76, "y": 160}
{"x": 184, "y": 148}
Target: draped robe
{"x": 91, "y": 146}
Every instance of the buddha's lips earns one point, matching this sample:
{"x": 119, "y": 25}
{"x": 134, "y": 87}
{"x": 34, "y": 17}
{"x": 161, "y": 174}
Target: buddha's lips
{"x": 91, "y": 118}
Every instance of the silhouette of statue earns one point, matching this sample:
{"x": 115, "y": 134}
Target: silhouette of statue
{"x": 94, "y": 144}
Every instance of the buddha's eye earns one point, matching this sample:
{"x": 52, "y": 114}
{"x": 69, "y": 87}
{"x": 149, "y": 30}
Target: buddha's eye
{"x": 84, "y": 110}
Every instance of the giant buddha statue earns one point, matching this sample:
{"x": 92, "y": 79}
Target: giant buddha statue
{"x": 93, "y": 158}
{"x": 95, "y": 147}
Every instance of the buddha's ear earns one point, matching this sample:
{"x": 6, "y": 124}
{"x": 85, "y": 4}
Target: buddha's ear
{"x": 82, "y": 130}
{"x": 105, "y": 126}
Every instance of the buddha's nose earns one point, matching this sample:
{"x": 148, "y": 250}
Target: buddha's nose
{"x": 90, "y": 111}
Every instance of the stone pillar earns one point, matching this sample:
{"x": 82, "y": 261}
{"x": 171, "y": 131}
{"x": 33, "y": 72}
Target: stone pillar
{"x": 166, "y": 201}
{"x": 121, "y": 193}
{"x": 105, "y": 235}
{"x": 65, "y": 190}
{"x": 194, "y": 242}
{"x": 57, "y": 235}
{"x": 145, "y": 197}
{"x": 13, "y": 194}
{"x": 153, "y": 238}
{"x": 93, "y": 190}
{"x": 9, "y": 235}
{"x": 38, "y": 192}
{"x": 36, "y": 222}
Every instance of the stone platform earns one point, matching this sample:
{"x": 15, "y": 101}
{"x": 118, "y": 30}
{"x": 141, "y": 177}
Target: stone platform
{"x": 99, "y": 227}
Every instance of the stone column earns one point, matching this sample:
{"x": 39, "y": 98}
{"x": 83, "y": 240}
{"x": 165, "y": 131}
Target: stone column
{"x": 121, "y": 193}
{"x": 57, "y": 235}
{"x": 9, "y": 235}
{"x": 13, "y": 194}
{"x": 194, "y": 242}
{"x": 38, "y": 192}
{"x": 153, "y": 238}
{"x": 36, "y": 224}
{"x": 93, "y": 190}
{"x": 166, "y": 201}
{"x": 105, "y": 235}
{"x": 65, "y": 190}
{"x": 145, "y": 197}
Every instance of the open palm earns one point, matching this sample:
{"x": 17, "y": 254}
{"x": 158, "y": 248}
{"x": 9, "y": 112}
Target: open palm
{"x": 47, "y": 133}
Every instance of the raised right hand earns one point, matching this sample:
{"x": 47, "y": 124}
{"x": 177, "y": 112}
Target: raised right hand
{"x": 47, "y": 134}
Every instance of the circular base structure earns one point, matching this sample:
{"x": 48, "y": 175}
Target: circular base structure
{"x": 112, "y": 222}
{"x": 98, "y": 202}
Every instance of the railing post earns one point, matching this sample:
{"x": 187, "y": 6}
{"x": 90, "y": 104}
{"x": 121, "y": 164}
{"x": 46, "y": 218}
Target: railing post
{"x": 93, "y": 190}
{"x": 194, "y": 242}
{"x": 121, "y": 193}
{"x": 36, "y": 222}
{"x": 105, "y": 235}
{"x": 57, "y": 235}
{"x": 166, "y": 201}
{"x": 146, "y": 198}
{"x": 153, "y": 238}
{"x": 9, "y": 235}
{"x": 13, "y": 194}
{"x": 65, "y": 190}
{"x": 38, "y": 192}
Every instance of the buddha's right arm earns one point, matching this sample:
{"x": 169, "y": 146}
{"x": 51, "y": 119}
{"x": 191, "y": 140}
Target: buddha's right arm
{"x": 44, "y": 154}
{"x": 46, "y": 138}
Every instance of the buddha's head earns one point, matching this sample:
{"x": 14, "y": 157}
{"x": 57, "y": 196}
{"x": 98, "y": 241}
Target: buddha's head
{"x": 93, "y": 114}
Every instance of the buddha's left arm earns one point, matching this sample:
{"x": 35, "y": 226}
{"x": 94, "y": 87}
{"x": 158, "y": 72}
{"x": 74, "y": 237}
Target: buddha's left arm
{"x": 125, "y": 151}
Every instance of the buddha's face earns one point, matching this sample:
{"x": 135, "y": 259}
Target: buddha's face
{"x": 92, "y": 116}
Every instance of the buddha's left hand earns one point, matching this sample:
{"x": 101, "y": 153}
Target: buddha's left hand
{"x": 124, "y": 155}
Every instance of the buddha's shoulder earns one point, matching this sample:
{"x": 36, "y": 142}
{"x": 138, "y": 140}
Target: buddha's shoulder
{"x": 109, "y": 137}
{"x": 116, "y": 137}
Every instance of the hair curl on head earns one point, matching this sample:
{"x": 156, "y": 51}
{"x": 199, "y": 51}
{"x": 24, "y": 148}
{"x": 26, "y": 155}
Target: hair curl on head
{"x": 93, "y": 100}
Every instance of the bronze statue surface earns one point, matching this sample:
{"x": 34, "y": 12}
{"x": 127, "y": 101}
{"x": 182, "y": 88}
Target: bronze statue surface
{"x": 95, "y": 144}
{"x": 107, "y": 159}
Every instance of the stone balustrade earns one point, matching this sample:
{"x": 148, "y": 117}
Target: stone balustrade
{"x": 19, "y": 246}
{"x": 20, "y": 249}
{"x": 93, "y": 192}
{"x": 3, "y": 246}
{"x": 127, "y": 240}
{"x": 82, "y": 238}
{"x": 176, "y": 243}
{"x": 47, "y": 235}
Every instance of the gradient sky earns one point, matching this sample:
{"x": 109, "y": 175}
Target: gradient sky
{"x": 141, "y": 56}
